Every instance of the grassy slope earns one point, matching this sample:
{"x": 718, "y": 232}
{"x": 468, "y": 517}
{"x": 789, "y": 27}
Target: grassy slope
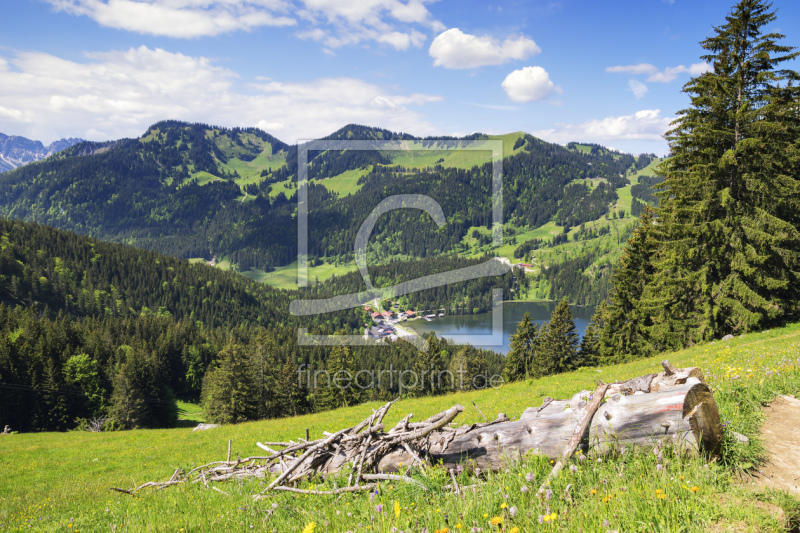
{"x": 53, "y": 480}
{"x": 281, "y": 187}
{"x": 345, "y": 183}
{"x": 285, "y": 277}
{"x": 429, "y": 157}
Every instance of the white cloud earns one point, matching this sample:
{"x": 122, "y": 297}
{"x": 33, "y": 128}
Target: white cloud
{"x": 119, "y": 93}
{"x": 529, "y": 83}
{"x": 638, "y": 88}
{"x": 180, "y": 18}
{"x": 455, "y": 49}
{"x": 401, "y": 41}
{"x": 670, "y": 73}
{"x": 656, "y": 75}
{"x": 641, "y": 68}
{"x": 392, "y": 22}
{"x": 495, "y": 107}
{"x": 645, "y": 125}
{"x": 333, "y": 22}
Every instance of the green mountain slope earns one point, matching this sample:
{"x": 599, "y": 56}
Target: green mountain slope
{"x": 198, "y": 191}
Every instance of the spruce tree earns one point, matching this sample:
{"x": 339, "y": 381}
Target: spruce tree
{"x": 229, "y": 393}
{"x": 558, "y": 347}
{"x": 520, "y": 354}
{"x": 624, "y": 322}
{"x": 427, "y": 366}
{"x": 340, "y": 388}
{"x": 127, "y": 407}
{"x": 589, "y": 351}
{"x": 460, "y": 371}
{"x": 289, "y": 394}
{"x": 728, "y": 219}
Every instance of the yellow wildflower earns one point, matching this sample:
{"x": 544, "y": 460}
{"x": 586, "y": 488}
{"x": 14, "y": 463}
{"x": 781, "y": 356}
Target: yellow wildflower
{"x": 503, "y": 505}
{"x": 396, "y": 509}
{"x": 496, "y": 521}
{"x": 309, "y": 527}
{"x": 694, "y": 489}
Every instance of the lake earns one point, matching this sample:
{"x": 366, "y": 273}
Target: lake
{"x": 477, "y": 329}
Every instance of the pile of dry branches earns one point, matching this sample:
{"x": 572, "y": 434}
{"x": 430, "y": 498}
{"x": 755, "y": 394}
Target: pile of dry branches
{"x": 361, "y": 446}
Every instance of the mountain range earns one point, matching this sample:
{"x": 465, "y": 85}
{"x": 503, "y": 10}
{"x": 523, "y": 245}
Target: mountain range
{"x": 202, "y": 192}
{"x": 16, "y": 151}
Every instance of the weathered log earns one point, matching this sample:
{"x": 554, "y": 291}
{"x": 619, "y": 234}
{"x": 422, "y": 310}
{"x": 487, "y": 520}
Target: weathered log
{"x": 631, "y": 386}
{"x": 577, "y": 434}
{"x": 550, "y": 407}
{"x": 639, "y": 419}
{"x": 494, "y": 447}
{"x": 685, "y": 416}
{"x": 673, "y": 377}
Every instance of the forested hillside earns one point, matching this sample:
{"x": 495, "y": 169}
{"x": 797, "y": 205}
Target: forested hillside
{"x": 89, "y": 328}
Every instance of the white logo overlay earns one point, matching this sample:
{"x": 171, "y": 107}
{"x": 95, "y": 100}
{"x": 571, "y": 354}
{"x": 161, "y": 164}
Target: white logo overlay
{"x": 374, "y": 295}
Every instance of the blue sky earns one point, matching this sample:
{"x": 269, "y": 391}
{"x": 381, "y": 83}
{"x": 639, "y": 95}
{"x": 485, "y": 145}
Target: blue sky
{"x": 604, "y": 72}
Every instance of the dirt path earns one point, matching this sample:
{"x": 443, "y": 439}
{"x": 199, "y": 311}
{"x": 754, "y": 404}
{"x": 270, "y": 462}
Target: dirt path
{"x": 781, "y": 436}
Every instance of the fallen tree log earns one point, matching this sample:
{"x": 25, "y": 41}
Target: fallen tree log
{"x": 684, "y": 416}
{"x": 577, "y": 435}
{"x": 670, "y": 377}
{"x": 673, "y": 407}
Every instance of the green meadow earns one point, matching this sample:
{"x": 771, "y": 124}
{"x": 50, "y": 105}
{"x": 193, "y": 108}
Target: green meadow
{"x": 62, "y": 481}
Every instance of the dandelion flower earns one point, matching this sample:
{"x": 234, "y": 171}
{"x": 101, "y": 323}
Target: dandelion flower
{"x": 496, "y": 521}
{"x": 309, "y": 527}
{"x": 396, "y": 509}
{"x": 503, "y": 505}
